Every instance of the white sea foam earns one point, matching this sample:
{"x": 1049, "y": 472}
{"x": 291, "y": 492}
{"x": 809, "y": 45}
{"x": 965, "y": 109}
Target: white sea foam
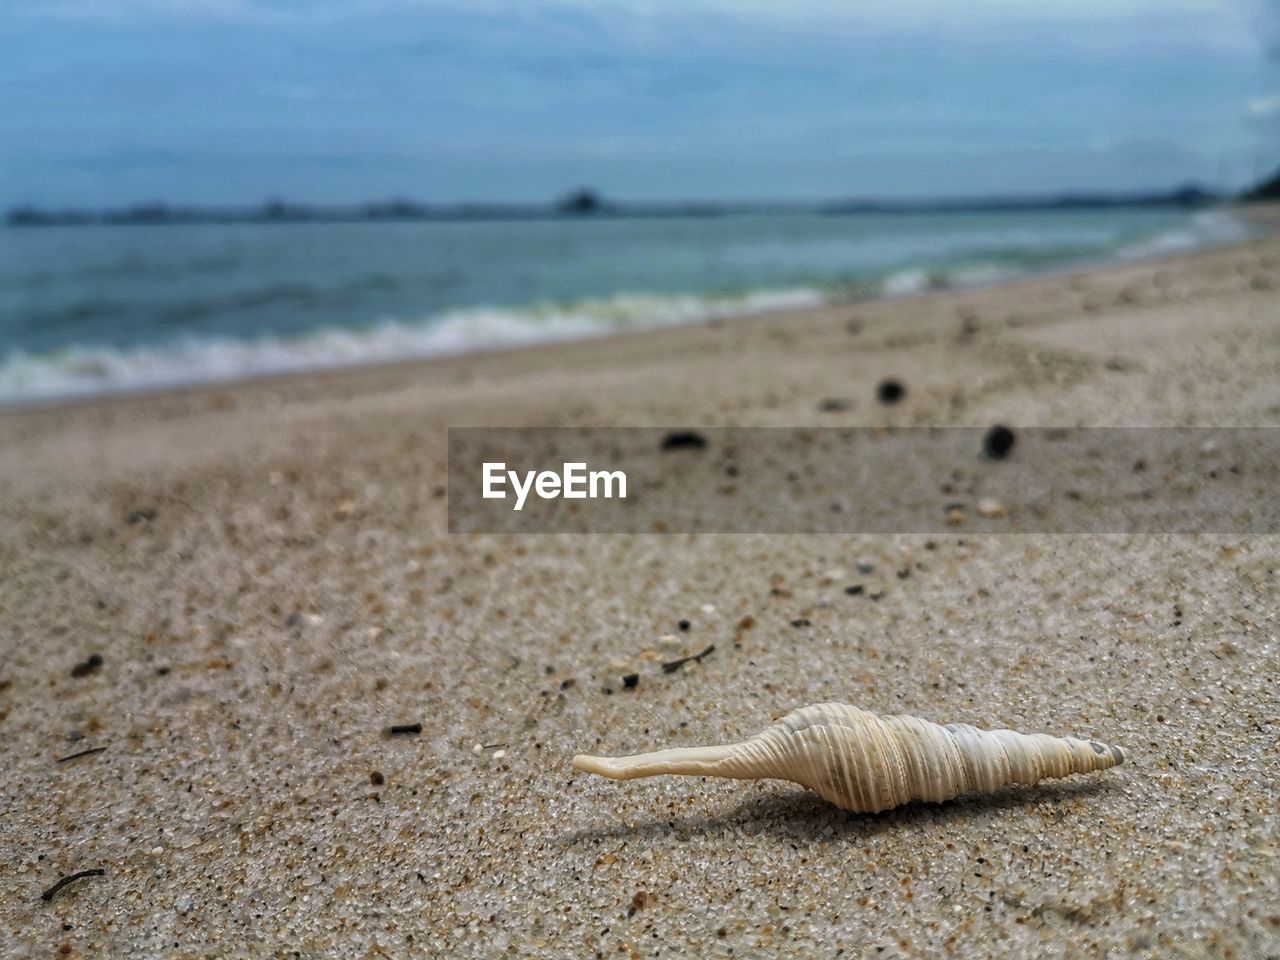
{"x": 91, "y": 370}
{"x": 904, "y": 283}
{"x": 1205, "y": 229}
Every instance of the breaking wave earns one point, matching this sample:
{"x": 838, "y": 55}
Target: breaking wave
{"x": 92, "y": 370}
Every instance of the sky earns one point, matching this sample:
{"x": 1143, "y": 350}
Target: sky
{"x": 113, "y": 102}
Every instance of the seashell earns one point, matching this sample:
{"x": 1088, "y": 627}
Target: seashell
{"x": 868, "y": 763}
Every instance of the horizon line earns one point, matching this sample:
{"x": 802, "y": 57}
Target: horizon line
{"x": 586, "y": 202}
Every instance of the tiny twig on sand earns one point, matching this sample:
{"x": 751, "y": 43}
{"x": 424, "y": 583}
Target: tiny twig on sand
{"x": 48, "y": 894}
{"x": 406, "y": 728}
{"x": 671, "y": 666}
{"x": 82, "y": 753}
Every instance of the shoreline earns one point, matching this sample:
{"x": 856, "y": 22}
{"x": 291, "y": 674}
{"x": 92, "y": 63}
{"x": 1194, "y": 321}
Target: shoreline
{"x": 1264, "y": 217}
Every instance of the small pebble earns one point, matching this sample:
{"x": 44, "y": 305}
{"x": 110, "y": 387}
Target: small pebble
{"x": 631, "y": 681}
{"x": 684, "y": 440}
{"x": 990, "y": 507}
{"x": 89, "y": 666}
{"x": 890, "y": 392}
{"x": 997, "y": 443}
{"x": 377, "y": 779}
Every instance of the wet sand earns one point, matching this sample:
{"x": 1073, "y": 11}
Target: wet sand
{"x": 265, "y": 574}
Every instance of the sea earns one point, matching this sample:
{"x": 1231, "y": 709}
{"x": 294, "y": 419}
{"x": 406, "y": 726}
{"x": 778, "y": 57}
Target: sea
{"x": 92, "y": 310}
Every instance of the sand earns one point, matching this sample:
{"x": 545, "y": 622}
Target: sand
{"x": 265, "y": 573}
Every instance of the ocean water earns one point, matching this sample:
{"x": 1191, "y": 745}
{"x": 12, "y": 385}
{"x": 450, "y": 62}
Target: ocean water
{"x": 98, "y": 309}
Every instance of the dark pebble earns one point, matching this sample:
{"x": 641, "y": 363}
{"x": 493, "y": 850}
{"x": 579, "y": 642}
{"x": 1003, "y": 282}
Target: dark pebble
{"x": 566, "y": 684}
{"x": 890, "y": 392}
{"x": 854, "y": 590}
{"x": 997, "y": 443}
{"x": 684, "y": 624}
{"x": 866, "y": 569}
{"x": 631, "y": 681}
{"x": 684, "y": 440}
{"x": 92, "y": 665}
{"x": 377, "y": 779}
{"x": 406, "y": 728}
{"x": 800, "y": 622}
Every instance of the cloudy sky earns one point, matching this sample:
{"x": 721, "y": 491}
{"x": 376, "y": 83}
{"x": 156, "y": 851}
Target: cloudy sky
{"x": 227, "y": 101}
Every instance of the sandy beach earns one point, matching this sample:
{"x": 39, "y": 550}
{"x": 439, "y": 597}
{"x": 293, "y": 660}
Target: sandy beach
{"x": 235, "y": 591}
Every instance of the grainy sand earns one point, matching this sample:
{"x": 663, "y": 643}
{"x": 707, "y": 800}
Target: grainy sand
{"x": 265, "y": 574}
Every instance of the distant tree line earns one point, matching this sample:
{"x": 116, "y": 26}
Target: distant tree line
{"x": 586, "y": 202}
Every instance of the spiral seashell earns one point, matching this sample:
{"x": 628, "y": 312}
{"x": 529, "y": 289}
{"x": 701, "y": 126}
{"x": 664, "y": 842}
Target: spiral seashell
{"x": 868, "y": 763}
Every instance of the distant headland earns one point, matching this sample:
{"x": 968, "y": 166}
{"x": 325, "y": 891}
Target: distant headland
{"x": 588, "y": 203}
